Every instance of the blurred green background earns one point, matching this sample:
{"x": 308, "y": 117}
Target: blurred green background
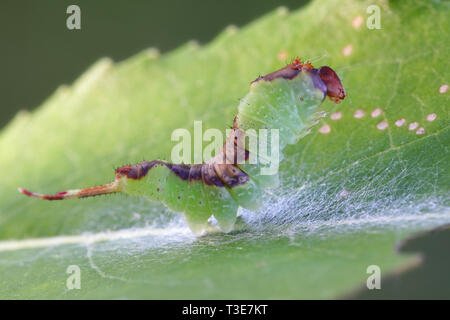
{"x": 38, "y": 52}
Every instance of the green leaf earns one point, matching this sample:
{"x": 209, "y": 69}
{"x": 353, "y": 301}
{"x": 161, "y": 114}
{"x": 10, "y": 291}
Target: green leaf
{"x": 349, "y": 190}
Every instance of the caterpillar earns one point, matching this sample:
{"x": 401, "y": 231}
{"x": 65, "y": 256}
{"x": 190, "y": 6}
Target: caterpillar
{"x": 286, "y": 99}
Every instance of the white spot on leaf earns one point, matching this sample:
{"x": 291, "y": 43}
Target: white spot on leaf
{"x": 348, "y": 49}
{"x": 400, "y": 122}
{"x": 382, "y": 125}
{"x": 443, "y": 88}
{"x": 325, "y": 129}
{"x": 359, "y": 114}
{"x": 336, "y": 116}
{"x": 413, "y": 126}
{"x": 431, "y": 117}
{"x": 357, "y": 22}
{"x": 344, "y": 193}
{"x": 420, "y": 130}
{"x": 376, "y": 113}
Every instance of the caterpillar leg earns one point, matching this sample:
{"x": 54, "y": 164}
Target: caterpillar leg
{"x": 223, "y": 207}
{"x": 197, "y": 210}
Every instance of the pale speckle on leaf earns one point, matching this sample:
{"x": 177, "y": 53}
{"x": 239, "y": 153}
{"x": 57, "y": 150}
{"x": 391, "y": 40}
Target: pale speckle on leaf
{"x": 431, "y": 117}
{"x": 420, "y": 130}
{"x": 413, "y": 126}
{"x": 348, "y": 49}
{"x": 383, "y": 125}
{"x": 357, "y": 22}
{"x": 336, "y": 116}
{"x": 376, "y": 113}
{"x": 344, "y": 193}
{"x": 325, "y": 129}
{"x": 359, "y": 114}
{"x": 443, "y": 88}
{"x": 400, "y": 122}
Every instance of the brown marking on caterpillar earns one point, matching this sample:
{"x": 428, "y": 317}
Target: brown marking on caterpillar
{"x": 288, "y": 72}
{"x": 230, "y": 175}
{"x": 140, "y": 170}
{"x": 210, "y": 177}
{"x": 236, "y": 151}
{"x": 196, "y": 172}
{"x": 205, "y": 172}
{"x": 181, "y": 170}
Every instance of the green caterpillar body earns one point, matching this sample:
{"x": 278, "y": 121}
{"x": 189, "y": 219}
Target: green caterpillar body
{"x": 285, "y": 100}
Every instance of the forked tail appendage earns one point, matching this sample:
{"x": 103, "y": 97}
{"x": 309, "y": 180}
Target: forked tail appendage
{"x": 112, "y": 187}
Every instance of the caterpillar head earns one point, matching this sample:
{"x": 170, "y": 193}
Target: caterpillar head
{"x": 324, "y": 78}
{"x": 335, "y": 90}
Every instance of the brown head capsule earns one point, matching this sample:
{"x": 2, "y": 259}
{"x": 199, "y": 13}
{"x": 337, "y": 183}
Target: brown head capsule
{"x": 329, "y": 81}
{"x": 335, "y": 90}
